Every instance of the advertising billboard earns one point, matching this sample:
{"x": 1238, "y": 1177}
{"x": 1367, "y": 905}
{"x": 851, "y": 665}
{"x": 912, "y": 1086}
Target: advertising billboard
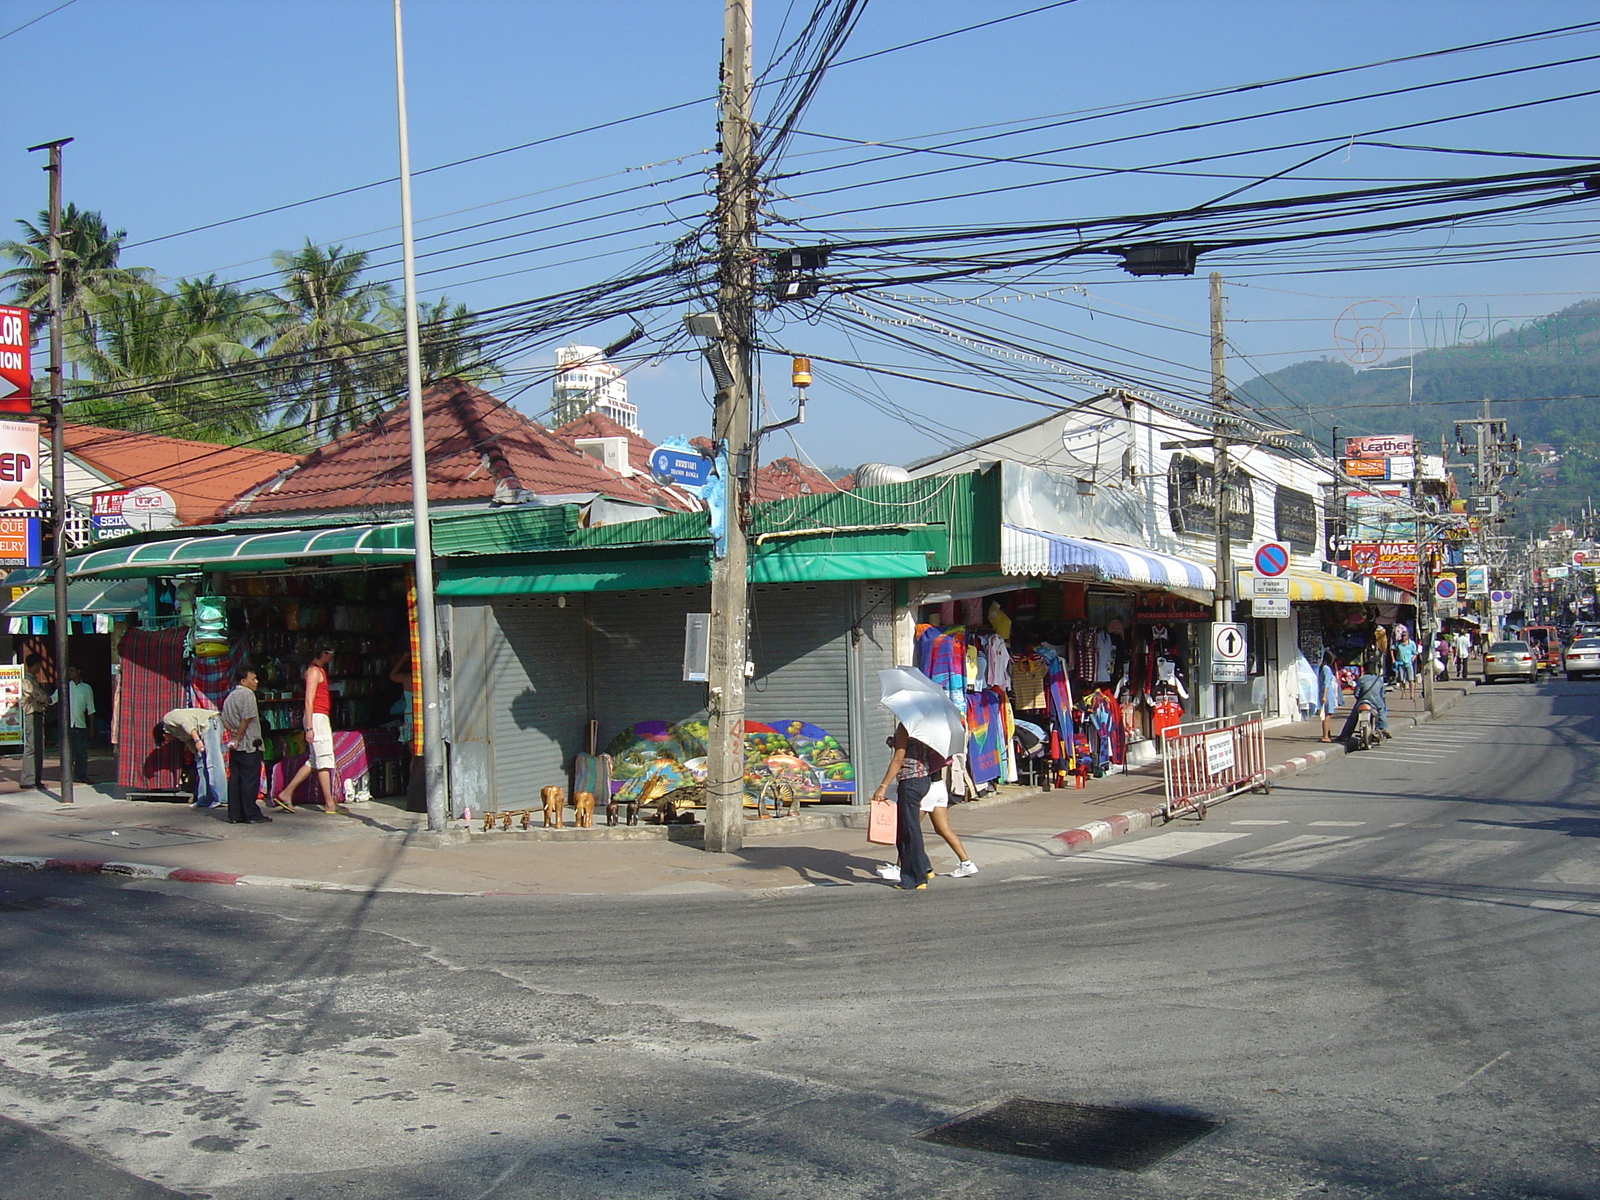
{"x": 1401, "y": 445}
{"x": 19, "y": 542}
{"x": 1389, "y": 562}
{"x": 16, "y": 373}
{"x": 19, "y": 465}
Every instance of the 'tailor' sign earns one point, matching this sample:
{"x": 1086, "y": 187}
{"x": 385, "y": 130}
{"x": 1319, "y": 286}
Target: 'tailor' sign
{"x": 16, "y": 374}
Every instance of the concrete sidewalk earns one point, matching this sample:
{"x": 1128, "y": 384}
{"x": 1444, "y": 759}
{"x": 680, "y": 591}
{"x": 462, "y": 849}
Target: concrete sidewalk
{"x": 380, "y": 847}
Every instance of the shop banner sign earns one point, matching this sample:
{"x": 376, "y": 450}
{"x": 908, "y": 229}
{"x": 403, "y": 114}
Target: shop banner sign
{"x": 1192, "y": 499}
{"x": 113, "y": 514}
{"x": 19, "y": 465}
{"x": 1294, "y": 519}
{"x": 1559, "y": 572}
{"x": 1478, "y": 581}
{"x": 1403, "y": 445}
{"x": 1366, "y": 468}
{"x": 1389, "y": 562}
{"x": 19, "y": 542}
{"x": 10, "y": 704}
{"x": 16, "y": 374}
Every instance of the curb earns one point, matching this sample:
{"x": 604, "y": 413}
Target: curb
{"x": 1097, "y": 833}
{"x": 87, "y": 866}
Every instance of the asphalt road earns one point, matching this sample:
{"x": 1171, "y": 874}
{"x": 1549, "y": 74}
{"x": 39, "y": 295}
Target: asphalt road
{"x": 1381, "y": 979}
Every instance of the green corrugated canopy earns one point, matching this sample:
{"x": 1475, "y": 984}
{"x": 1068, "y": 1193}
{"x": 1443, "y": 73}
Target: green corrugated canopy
{"x": 83, "y": 597}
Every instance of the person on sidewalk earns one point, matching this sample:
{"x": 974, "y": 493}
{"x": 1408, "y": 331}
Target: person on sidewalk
{"x": 936, "y": 804}
{"x": 1463, "y": 654}
{"x": 199, "y": 731}
{"x": 242, "y": 721}
{"x": 80, "y": 721}
{"x": 33, "y": 702}
{"x": 1327, "y": 692}
{"x": 913, "y": 768}
{"x": 1369, "y": 690}
{"x": 317, "y": 722}
{"x": 1405, "y": 663}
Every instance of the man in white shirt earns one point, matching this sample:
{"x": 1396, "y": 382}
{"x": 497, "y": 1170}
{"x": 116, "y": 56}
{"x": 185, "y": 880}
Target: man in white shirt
{"x": 80, "y": 727}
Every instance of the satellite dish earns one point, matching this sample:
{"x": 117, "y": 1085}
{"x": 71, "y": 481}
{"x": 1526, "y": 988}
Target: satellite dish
{"x": 876, "y": 474}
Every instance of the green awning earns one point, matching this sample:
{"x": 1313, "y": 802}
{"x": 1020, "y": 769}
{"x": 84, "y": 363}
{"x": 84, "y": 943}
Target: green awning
{"x": 343, "y": 545}
{"x": 83, "y": 597}
{"x": 768, "y": 565}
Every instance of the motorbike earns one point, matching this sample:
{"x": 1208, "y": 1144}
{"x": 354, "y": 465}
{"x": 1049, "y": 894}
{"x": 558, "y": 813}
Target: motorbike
{"x": 1365, "y": 735}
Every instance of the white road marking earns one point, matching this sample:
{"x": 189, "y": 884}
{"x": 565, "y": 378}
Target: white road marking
{"x": 1168, "y": 845}
{"x": 1258, "y": 822}
{"x": 1575, "y": 872}
{"x": 1336, "y": 824}
{"x": 1297, "y": 853}
{"x": 1146, "y": 885}
{"x": 1451, "y": 854}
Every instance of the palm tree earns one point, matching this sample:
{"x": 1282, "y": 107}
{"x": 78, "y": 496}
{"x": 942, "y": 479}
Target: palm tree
{"x": 330, "y": 337}
{"x": 89, "y": 267}
{"x": 450, "y": 349}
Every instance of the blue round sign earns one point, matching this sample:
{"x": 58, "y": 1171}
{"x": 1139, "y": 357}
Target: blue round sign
{"x": 1272, "y": 560}
{"x": 1445, "y": 588}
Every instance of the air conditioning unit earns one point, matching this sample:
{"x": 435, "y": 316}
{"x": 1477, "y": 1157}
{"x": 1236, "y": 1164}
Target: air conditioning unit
{"x": 610, "y": 452}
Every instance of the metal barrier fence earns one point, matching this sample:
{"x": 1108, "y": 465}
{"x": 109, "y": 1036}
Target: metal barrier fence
{"x": 1207, "y": 761}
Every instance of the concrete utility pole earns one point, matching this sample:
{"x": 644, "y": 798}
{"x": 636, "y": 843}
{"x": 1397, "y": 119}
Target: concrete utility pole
{"x": 730, "y": 633}
{"x": 1222, "y": 467}
{"x": 433, "y": 756}
{"x": 58, "y": 476}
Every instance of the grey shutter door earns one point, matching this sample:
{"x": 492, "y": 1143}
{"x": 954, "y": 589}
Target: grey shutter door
{"x": 537, "y": 690}
{"x": 874, "y": 652}
{"x": 800, "y": 643}
{"x": 638, "y": 657}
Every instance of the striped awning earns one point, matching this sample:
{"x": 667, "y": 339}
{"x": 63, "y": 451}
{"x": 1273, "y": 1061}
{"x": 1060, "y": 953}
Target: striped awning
{"x": 1309, "y": 586}
{"x": 1032, "y": 552}
{"x": 340, "y": 545}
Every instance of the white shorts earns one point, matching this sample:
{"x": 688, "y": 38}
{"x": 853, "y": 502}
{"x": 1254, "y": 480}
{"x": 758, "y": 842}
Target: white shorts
{"x": 938, "y": 796}
{"x": 322, "y": 757}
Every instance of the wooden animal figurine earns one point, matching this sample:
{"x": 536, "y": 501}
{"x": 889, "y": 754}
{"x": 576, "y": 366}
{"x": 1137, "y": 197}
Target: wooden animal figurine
{"x": 554, "y": 800}
{"x": 612, "y": 810}
{"x": 527, "y": 818}
{"x": 505, "y": 820}
{"x": 583, "y": 810}
{"x": 488, "y": 821}
{"x": 633, "y": 810}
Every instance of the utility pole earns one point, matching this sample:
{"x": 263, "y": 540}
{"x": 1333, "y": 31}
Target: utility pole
{"x": 730, "y": 633}
{"x": 58, "y": 476}
{"x": 433, "y": 757}
{"x": 1221, "y": 469}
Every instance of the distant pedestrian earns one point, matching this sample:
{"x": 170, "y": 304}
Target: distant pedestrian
{"x": 80, "y": 721}
{"x": 913, "y": 769}
{"x": 1463, "y": 654}
{"x": 1405, "y": 662}
{"x": 317, "y": 723}
{"x": 34, "y": 701}
{"x": 241, "y": 719}
{"x": 1327, "y": 692}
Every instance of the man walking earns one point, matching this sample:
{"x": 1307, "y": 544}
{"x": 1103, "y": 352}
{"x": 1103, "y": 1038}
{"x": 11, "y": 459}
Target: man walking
{"x": 242, "y": 721}
{"x": 80, "y": 721}
{"x": 35, "y": 700}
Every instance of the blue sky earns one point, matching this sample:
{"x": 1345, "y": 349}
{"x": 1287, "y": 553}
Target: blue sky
{"x": 189, "y": 113}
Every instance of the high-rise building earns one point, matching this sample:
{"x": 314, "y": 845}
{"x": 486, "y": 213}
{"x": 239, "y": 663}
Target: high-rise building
{"x": 585, "y": 382}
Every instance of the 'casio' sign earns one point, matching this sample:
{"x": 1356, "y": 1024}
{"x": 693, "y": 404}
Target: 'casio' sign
{"x": 14, "y": 468}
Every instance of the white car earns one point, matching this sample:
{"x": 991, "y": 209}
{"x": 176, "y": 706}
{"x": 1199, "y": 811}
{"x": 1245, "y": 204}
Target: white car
{"x": 1583, "y": 658}
{"x": 1510, "y": 660}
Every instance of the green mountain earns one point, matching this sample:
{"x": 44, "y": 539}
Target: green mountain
{"x": 1542, "y": 376}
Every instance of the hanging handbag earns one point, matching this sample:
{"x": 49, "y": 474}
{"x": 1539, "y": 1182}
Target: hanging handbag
{"x": 883, "y": 822}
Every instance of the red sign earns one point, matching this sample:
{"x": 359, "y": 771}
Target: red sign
{"x": 16, "y": 375}
{"x": 1390, "y": 562}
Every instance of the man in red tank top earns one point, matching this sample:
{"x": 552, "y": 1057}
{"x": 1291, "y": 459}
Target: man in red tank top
{"x": 318, "y": 728}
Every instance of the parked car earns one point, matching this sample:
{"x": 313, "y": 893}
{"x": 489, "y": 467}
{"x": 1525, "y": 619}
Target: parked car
{"x": 1583, "y": 657}
{"x": 1510, "y": 660}
{"x": 1546, "y": 643}
{"x": 1586, "y": 629}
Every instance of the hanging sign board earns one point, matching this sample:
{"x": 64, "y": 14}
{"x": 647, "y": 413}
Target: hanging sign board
{"x": 1230, "y": 653}
{"x": 19, "y": 542}
{"x": 142, "y": 508}
{"x": 1381, "y": 446}
{"x": 675, "y": 465}
{"x": 1478, "y": 581}
{"x": 16, "y": 374}
{"x": 19, "y": 465}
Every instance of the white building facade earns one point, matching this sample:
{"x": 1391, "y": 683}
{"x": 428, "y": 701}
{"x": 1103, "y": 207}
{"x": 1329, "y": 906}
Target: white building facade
{"x": 585, "y": 382}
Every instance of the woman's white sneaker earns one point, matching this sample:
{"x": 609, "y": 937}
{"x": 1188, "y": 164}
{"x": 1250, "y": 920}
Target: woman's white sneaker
{"x": 967, "y": 868}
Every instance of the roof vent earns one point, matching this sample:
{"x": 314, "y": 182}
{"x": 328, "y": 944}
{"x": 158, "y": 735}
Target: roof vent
{"x": 876, "y": 474}
{"x": 611, "y": 452}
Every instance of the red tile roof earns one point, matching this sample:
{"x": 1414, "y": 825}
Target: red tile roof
{"x": 476, "y": 443}
{"x": 598, "y": 425}
{"x": 786, "y": 478}
{"x": 199, "y": 476}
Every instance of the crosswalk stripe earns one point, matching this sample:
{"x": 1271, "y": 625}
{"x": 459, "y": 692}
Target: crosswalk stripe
{"x": 1258, "y": 822}
{"x": 1451, "y": 854}
{"x": 1169, "y": 845}
{"x": 1336, "y": 824}
{"x": 1297, "y": 853}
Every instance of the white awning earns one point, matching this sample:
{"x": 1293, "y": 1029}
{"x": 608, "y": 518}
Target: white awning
{"x": 1032, "y": 552}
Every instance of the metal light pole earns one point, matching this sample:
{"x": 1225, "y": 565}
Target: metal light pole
{"x": 730, "y": 630}
{"x": 433, "y": 753}
{"x": 58, "y": 477}
{"x": 1220, "y": 470}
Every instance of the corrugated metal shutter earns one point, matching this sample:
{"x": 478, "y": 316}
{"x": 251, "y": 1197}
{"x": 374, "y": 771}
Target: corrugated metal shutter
{"x": 800, "y": 643}
{"x": 538, "y": 691}
{"x": 638, "y": 657}
{"x": 874, "y": 652}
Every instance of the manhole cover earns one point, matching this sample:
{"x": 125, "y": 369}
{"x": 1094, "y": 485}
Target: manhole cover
{"x": 1123, "y": 1139}
{"x": 135, "y": 839}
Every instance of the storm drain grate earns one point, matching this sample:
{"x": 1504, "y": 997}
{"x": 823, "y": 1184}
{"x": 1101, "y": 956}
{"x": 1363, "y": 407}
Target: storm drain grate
{"x": 1089, "y": 1135}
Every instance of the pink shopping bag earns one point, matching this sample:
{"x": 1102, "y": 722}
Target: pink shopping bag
{"x": 882, "y": 823}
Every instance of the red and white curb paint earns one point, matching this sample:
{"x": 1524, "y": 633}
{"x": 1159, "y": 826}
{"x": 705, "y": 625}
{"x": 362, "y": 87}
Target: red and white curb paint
{"x": 85, "y": 866}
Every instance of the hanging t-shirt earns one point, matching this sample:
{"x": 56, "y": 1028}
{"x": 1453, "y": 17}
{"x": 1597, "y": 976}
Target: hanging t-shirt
{"x": 1027, "y": 683}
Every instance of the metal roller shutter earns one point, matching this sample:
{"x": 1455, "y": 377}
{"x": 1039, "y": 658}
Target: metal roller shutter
{"x": 537, "y": 689}
{"x": 874, "y": 652}
{"x": 637, "y": 638}
{"x": 800, "y": 643}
